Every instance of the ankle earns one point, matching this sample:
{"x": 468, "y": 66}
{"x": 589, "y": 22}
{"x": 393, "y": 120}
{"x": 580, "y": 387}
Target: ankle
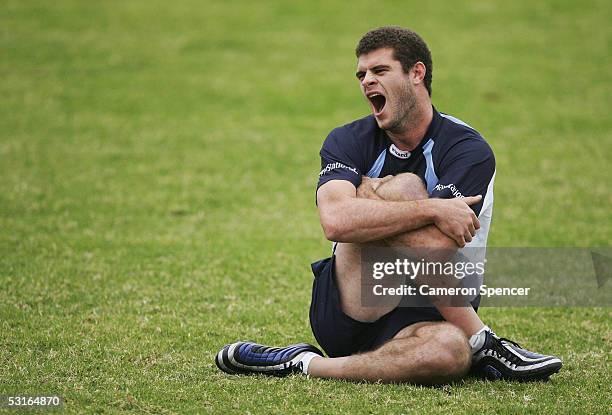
{"x": 477, "y": 339}
{"x": 307, "y": 360}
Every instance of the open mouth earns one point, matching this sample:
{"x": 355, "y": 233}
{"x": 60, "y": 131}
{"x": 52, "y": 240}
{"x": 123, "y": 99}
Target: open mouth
{"x": 378, "y": 102}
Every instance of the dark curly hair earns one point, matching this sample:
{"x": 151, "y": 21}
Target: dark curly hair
{"x": 408, "y": 48}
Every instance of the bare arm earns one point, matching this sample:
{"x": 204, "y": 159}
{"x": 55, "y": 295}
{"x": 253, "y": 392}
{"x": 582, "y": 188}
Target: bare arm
{"x": 347, "y": 218}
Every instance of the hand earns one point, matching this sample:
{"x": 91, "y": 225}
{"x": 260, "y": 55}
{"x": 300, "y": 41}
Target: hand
{"x": 455, "y": 218}
{"x": 368, "y": 186}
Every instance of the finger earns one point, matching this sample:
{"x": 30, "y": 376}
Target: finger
{"x": 472, "y": 229}
{"x": 475, "y": 221}
{"x": 472, "y": 199}
{"x": 461, "y": 241}
{"x": 380, "y": 181}
{"x": 468, "y": 237}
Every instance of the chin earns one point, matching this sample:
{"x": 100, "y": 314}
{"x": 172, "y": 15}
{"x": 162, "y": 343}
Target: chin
{"x": 384, "y": 123}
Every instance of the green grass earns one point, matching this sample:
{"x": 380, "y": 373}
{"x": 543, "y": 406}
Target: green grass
{"x": 158, "y": 162}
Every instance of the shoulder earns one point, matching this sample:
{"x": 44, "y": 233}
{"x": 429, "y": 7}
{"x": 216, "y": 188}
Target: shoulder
{"x": 361, "y": 136}
{"x": 456, "y": 137}
{"x": 363, "y": 128}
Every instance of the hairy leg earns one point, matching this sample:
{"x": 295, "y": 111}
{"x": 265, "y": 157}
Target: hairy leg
{"x": 410, "y": 187}
{"x": 425, "y": 353}
{"x": 402, "y": 187}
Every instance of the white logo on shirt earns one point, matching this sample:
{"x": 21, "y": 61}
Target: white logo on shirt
{"x": 453, "y": 189}
{"x": 334, "y": 166}
{"x": 401, "y": 154}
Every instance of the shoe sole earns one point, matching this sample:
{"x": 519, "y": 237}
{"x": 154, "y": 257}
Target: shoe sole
{"x": 542, "y": 373}
{"x": 227, "y": 362}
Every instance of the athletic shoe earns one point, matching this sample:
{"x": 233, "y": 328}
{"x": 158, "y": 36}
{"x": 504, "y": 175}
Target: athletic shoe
{"x": 247, "y": 358}
{"x": 500, "y": 358}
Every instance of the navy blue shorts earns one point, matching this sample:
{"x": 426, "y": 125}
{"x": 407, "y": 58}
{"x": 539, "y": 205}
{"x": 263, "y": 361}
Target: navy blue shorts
{"x": 340, "y": 335}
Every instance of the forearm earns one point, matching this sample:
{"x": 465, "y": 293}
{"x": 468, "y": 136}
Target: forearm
{"x": 359, "y": 220}
{"x": 427, "y": 237}
{"x": 351, "y": 215}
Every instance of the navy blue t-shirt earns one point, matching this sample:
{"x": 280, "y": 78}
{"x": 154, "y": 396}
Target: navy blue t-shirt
{"x": 453, "y": 160}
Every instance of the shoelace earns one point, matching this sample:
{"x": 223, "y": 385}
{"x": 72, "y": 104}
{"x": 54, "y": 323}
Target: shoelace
{"x": 503, "y": 339}
{"x": 505, "y": 353}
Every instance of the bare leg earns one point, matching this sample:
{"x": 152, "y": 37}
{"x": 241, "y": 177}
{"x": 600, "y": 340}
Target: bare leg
{"x": 348, "y": 269}
{"x": 425, "y": 353}
{"x": 410, "y": 187}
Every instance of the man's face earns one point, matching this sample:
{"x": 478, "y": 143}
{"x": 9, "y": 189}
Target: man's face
{"x": 387, "y": 88}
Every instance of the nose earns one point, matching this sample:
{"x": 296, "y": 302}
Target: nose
{"x": 368, "y": 79}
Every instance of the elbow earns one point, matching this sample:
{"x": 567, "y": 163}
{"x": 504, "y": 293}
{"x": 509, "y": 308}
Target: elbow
{"x": 332, "y": 231}
{"x": 334, "y": 217}
{"x": 332, "y": 227}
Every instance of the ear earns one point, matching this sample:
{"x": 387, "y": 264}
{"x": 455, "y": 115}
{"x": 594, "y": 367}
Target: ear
{"x": 418, "y": 71}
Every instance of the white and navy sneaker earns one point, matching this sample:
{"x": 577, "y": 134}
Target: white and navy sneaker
{"x": 248, "y": 358}
{"x": 500, "y": 358}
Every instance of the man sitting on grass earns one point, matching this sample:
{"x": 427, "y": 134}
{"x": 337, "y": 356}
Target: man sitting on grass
{"x": 398, "y": 177}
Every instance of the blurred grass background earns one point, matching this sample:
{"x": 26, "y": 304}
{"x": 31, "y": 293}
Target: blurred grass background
{"x": 158, "y": 163}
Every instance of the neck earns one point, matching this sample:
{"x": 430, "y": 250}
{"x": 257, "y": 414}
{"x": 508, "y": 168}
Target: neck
{"x": 414, "y": 128}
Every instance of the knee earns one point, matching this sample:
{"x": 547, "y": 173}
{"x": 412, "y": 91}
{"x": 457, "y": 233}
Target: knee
{"x": 441, "y": 355}
{"x": 451, "y": 355}
{"x": 403, "y": 187}
{"x": 454, "y": 356}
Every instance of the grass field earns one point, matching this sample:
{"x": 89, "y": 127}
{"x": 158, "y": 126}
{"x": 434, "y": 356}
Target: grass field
{"x": 158, "y": 162}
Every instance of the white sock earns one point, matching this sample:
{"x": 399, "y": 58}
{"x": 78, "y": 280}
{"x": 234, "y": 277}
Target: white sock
{"x": 478, "y": 339}
{"x": 308, "y": 356}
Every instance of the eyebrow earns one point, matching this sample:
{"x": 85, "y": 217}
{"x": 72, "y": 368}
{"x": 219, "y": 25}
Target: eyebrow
{"x": 376, "y": 68}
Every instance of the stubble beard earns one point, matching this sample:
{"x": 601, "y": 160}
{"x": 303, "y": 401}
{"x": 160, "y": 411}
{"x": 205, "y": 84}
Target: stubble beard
{"x": 406, "y": 114}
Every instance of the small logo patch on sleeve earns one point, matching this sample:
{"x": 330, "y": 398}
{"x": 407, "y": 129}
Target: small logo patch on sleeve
{"x": 334, "y": 166}
{"x": 451, "y": 188}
